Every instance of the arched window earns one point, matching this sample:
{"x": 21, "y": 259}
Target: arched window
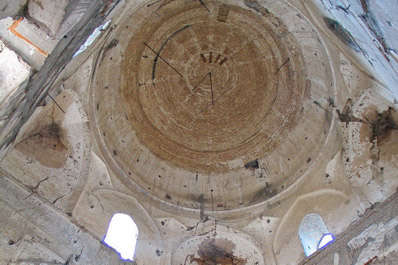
{"x": 122, "y": 235}
{"x": 314, "y": 234}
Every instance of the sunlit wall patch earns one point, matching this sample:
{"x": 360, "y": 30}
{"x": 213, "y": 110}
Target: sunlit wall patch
{"x": 122, "y": 235}
{"x": 92, "y": 38}
{"x": 314, "y": 234}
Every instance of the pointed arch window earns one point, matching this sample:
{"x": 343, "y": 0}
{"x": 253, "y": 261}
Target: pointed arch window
{"x": 122, "y": 235}
{"x": 314, "y": 234}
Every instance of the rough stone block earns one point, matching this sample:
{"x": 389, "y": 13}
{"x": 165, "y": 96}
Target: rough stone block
{"x": 13, "y": 71}
{"x": 28, "y": 52}
{"x": 11, "y": 8}
{"x": 48, "y": 12}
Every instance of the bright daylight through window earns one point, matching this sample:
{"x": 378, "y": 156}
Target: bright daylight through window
{"x": 122, "y": 235}
{"x": 314, "y": 234}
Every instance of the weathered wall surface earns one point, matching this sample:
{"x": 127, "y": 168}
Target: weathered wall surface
{"x": 85, "y": 156}
{"x": 371, "y": 240}
{"x": 53, "y": 156}
{"x": 13, "y": 71}
{"x": 11, "y": 8}
{"x": 34, "y": 232}
{"x": 23, "y": 103}
{"x": 39, "y": 12}
{"x": 370, "y": 27}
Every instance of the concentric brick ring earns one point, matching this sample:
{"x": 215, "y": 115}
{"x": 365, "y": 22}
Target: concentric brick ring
{"x": 201, "y": 92}
{"x": 185, "y": 95}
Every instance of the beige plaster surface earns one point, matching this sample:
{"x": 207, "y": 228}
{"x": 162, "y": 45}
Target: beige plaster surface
{"x": 217, "y": 126}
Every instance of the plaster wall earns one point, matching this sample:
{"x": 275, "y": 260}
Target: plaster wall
{"x": 11, "y": 8}
{"x": 13, "y": 71}
{"x": 75, "y": 162}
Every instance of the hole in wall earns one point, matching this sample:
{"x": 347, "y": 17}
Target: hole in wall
{"x": 90, "y": 40}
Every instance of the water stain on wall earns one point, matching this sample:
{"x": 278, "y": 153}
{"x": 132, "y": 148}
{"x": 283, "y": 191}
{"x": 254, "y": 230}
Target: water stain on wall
{"x": 216, "y": 251}
{"x": 47, "y": 141}
{"x": 48, "y": 146}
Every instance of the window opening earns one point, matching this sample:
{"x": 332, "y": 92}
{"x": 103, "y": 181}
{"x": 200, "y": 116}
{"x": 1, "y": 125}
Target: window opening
{"x": 314, "y": 234}
{"x": 122, "y": 235}
{"x": 92, "y": 38}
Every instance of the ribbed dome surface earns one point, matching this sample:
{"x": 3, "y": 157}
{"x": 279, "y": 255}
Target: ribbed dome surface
{"x": 192, "y": 93}
{"x": 201, "y": 92}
